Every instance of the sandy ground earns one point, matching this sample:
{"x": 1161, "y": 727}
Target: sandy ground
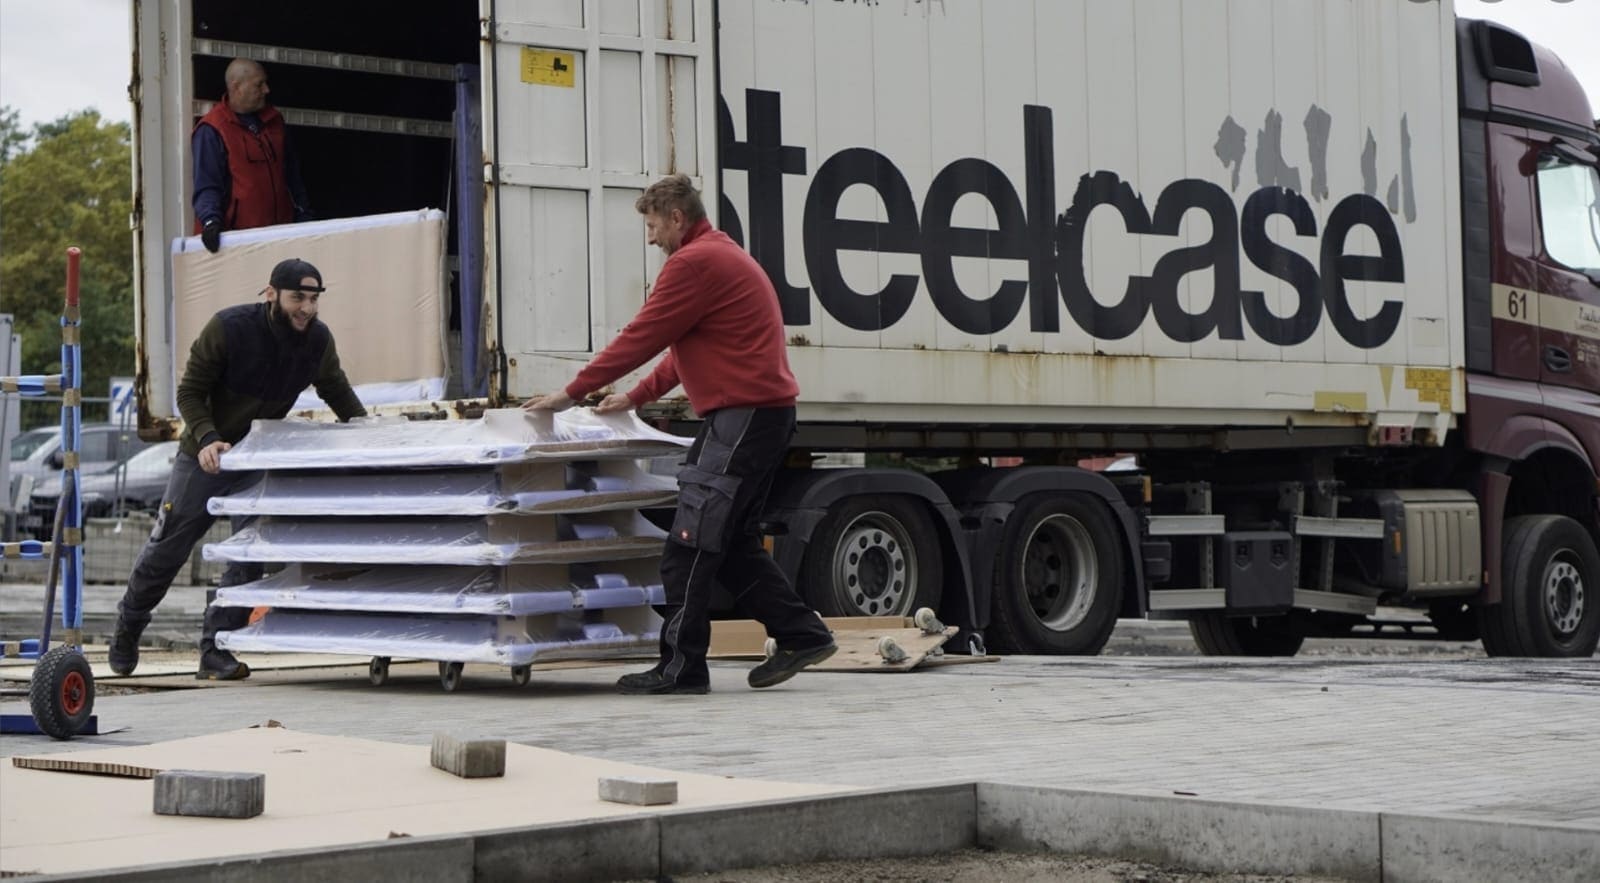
{"x": 977, "y": 866}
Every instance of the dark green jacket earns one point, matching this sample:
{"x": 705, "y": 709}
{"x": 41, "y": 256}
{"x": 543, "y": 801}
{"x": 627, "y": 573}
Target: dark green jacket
{"x": 247, "y": 366}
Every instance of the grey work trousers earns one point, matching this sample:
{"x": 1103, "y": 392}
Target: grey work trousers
{"x": 182, "y": 522}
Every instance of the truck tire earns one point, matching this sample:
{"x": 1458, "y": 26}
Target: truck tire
{"x": 873, "y": 555}
{"x": 1057, "y": 578}
{"x": 1219, "y": 635}
{"x": 1550, "y": 591}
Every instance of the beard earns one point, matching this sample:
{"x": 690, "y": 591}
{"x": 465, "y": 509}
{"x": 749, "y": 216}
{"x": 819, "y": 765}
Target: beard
{"x": 278, "y": 316}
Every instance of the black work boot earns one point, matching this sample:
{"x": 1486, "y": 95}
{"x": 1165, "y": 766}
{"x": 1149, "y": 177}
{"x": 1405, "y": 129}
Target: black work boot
{"x": 219, "y": 665}
{"x": 785, "y": 664}
{"x": 654, "y": 682}
{"x": 123, "y": 653}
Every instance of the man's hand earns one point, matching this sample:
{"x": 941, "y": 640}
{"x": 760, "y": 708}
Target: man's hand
{"x": 556, "y": 401}
{"x": 614, "y": 403}
{"x": 211, "y": 456}
{"x": 211, "y": 235}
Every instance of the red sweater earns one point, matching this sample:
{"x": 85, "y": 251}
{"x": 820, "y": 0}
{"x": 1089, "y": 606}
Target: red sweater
{"x": 716, "y": 312}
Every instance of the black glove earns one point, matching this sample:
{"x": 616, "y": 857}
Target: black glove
{"x": 211, "y": 235}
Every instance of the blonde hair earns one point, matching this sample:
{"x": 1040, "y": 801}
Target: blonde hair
{"x": 671, "y": 192}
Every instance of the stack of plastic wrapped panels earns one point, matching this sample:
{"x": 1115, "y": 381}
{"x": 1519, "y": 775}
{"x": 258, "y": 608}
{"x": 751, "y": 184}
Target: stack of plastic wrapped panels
{"x": 502, "y": 540}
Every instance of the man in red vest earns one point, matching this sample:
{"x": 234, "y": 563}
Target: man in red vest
{"x": 245, "y": 172}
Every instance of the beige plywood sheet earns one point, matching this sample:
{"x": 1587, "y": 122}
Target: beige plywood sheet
{"x": 859, "y": 639}
{"x": 321, "y": 791}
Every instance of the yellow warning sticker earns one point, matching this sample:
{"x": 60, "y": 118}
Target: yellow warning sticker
{"x": 1431, "y": 384}
{"x": 546, "y": 67}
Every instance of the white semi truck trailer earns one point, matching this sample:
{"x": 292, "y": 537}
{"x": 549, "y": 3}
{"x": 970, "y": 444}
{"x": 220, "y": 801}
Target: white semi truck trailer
{"x": 1329, "y": 271}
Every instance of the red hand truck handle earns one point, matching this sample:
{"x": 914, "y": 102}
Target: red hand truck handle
{"x": 73, "y": 254}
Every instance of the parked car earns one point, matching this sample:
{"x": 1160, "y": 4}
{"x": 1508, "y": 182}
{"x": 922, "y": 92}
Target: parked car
{"x": 133, "y": 485}
{"x": 36, "y": 454}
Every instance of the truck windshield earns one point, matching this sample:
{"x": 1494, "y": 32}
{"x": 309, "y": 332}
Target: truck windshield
{"x": 1569, "y": 212}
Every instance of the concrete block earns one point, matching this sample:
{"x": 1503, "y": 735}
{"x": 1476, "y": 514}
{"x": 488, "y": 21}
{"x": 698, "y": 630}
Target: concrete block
{"x": 221, "y": 795}
{"x": 1206, "y": 835}
{"x": 469, "y": 758}
{"x": 638, "y": 791}
{"x": 866, "y": 824}
{"x": 572, "y": 852}
{"x": 1422, "y": 849}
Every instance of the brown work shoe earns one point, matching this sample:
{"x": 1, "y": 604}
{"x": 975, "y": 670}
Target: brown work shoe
{"x": 785, "y": 664}
{"x": 123, "y": 654}
{"x": 219, "y": 665}
{"x": 654, "y": 682}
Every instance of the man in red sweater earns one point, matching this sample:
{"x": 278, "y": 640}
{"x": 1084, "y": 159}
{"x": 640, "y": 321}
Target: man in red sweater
{"x": 716, "y": 313}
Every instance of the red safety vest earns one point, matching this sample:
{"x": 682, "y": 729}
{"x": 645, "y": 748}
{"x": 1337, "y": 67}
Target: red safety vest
{"x": 258, "y": 192}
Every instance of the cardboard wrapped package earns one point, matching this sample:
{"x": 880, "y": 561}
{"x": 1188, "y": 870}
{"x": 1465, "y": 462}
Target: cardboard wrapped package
{"x": 385, "y": 300}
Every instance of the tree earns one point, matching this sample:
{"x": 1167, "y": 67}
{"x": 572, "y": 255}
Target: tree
{"x": 68, "y": 182}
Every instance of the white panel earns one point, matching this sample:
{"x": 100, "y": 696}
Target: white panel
{"x": 956, "y": 76}
{"x": 1432, "y": 265}
{"x": 1008, "y": 85}
{"x": 544, "y": 281}
{"x": 902, "y": 98}
{"x": 621, "y": 141}
{"x": 623, "y": 265}
{"x": 676, "y": 108}
{"x": 783, "y": 49}
{"x": 736, "y": 61}
{"x": 1381, "y": 87}
{"x": 540, "y": 124}
{"x": 1061, "y": 50}
{"x": 1160, "y": 93}
{"x": 556, "y": 13}
{"x": 845, "y": 120}
{"x": 1205, "y": 107}
{"x": 1250, "y": 79}
{"x": 1111, "y": 252}
{"x": 674, "y": 19}
{"x": 619, "y": 17}
{"x": 1295, "y": 75}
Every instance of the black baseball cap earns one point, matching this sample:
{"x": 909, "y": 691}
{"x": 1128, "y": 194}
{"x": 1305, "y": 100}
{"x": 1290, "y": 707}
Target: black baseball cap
{"x": 289, "y": 274}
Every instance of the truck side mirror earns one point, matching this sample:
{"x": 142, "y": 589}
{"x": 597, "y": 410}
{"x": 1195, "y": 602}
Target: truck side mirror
{"x": 1574, "y": 155}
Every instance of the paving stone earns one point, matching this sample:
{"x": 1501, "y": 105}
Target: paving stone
{"x": 638, "y": 791}
{"x": 469, "y": 758}
{"x": 211, "y": 793}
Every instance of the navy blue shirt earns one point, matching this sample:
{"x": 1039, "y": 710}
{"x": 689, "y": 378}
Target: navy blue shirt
{"x": 211, "y": 172}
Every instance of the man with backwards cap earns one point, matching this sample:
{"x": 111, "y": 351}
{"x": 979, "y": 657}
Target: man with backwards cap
{"x": 250, "y": 362}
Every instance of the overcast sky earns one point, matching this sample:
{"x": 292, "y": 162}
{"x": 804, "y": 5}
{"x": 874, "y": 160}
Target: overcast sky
{"x": 57, "y": 56}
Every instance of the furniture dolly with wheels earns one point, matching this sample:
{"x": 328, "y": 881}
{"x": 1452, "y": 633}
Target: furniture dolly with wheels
{"x": 61, "y": 692}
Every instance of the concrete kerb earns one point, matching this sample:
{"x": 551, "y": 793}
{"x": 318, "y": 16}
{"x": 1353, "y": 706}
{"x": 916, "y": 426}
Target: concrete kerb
{"x": 1446, "y": 848}
{"x": 446, "y": 859}
{"x": 1199, "y": 834}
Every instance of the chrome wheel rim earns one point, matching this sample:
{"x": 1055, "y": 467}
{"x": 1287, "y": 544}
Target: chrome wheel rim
{"x": 1060, "y": 571}
{"x": 1563, "y": 594}
{"x": 874, "y": 569}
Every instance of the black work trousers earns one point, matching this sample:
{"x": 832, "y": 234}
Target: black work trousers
{"x": 722, "y": 489}
{"x": 182, "y": 522}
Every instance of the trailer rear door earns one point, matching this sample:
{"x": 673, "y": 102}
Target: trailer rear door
{"x": 587, "y": 104}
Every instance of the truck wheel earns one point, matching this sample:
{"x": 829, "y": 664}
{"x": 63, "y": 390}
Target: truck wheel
{"x": 875, "y": 555}
{"x": 1058, "y": 577}
{"x": 1550, "y": 576}
{"x": 1219, "y": 635}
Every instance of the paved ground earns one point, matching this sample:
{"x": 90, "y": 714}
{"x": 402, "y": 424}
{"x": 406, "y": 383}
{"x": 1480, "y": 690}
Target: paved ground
{"x": 1400, "y": 726}
{"x": 1452, "y": 733}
